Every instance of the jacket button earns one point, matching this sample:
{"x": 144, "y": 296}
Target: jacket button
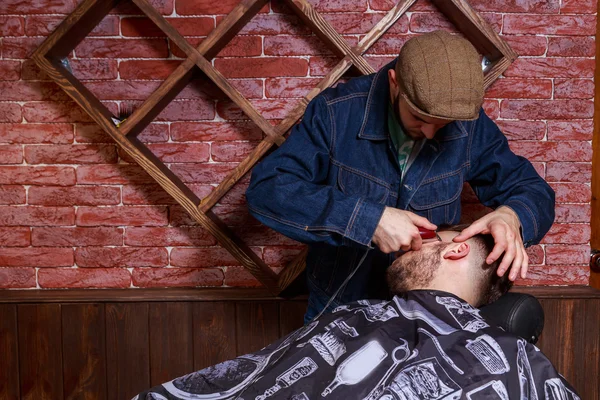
{"x": 408, "y": 187}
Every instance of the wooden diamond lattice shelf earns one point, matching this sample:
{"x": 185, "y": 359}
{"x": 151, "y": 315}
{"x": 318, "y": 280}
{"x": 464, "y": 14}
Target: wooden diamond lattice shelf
{"x": 89, "y": 13}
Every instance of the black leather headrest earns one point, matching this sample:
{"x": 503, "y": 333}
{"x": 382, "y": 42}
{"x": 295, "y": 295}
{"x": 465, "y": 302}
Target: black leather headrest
{"x": 518, "y": 313}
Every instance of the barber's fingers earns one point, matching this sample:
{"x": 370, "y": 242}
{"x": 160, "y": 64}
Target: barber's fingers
{"x": 525, "y": 265}
{"x": 477, "y": 227}
{"x": 422, "y": 222}
{"x": 501, "y": 240}
{"x": 517, "y": 263}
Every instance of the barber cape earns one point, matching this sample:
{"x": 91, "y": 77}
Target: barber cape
{"x": 425, "y": 345}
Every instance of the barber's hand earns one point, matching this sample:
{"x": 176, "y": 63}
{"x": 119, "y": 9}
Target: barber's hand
{"x": 503, "y": 224}
{"x": 399, "y": 230}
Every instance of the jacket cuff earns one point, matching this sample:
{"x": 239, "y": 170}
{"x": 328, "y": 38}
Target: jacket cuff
{"x": 529, "y": 226}
{"x": 364, "y": 221}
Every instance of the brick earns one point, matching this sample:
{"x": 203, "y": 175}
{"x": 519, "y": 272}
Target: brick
{"x": 553, "y": 151}
{"x": 146, "y": 195}
{"x": 269, "y": 109}
{"x": 517, "y": 6}
{"x": 547, "y": 109}
{"x": 181, "y": 236}
{"x": 567, "y": 255}
{"x": 376, "y": 62}
{"x": 204, "y": 88}
{"x": 177, "y": 277}
{"x": 71, "y": 154}
{"x": 274, "y": 24}
{"x": 286, "y": 45}
{"x": 147, "y": 69}
{"x": 536, "y": 255}
{"x": 10, "y": 70}
{"x": 570, "y": 130}
{"x": 509, "y": 88}
{"x": 36, "y": 133}
{"x": 573, "y": 213}
{"x": 568, "y": 234}
{"x": 556, "y": 275}
{"x": 30, "y": 175}
{"x": 20, "y": 47}
{"x": 53, "y": 111}
{"x": 37, "y": 7}
{"x": 27, "y": 90}
{"x": 567, "y": 46}
{"x": 92, "y": 133}
{"x": 262, "y": 236}
{"x": 15, "y": 236}
{"x": 240, "y": 277}
{"x": 281, "y": 256}
{"x": 214, "y": 131}
{"x": 144, "y": 27}
{"x": 578, "y": 7}
{"x": 231, "y": 151}
{"x": 320, "y": 66}
{"x": 522, "y": 130}
{"x": 235, "y": 215}
{"x": 388, "y": 44}
{"x": 36, "y": 257}
{"x": 122, "y": 90}
{"x": 165, "y": 7}
{"x": 36, "y": 216}
{"x": 386, "y": 5}
{"x": 261, "y": 67}
{"x": 12, "y": 194}
{"x": 329, "y": 6}
{"x": 11, "y": 154}
{"x": 569, "y": 172}
{"x": 491, "y": 108}
{"x": 289, "y": 87}
{"x": 569, "y": 25}
{"x": 181, "y": 153}
{"x": 204, "y": 257}
{"x": 117, "y": 216}
{"x": 17, "y": 278}
{"x": 187, "y": 110}
{"x": 552, "y": 68}
{"x": 429, "y": 22}
{"x": 527, "y": 45}
{"x": 349, "y": 23}
{"x": 207, "y": 7}
{"x": 74, "y": 196}
{"x": 112, "y": 174}
{"x": 76, "y": 236}
{"x": 202, "y": 173}
{"x": 238, "y": 46}
{"x": 117, "y": 257}
{"x": 10, "y": 112}
{"x": 573, "y": 88}
{"x": 572, "y": 192}
{"x": 122, "y": 48}
{"x": 12, "y": 26}
{"x": 540, "y": 168}
{"x": 70, "y": 278}
{"x": 43, "y": 25}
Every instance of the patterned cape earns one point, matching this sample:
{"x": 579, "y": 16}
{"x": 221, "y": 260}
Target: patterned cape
{"x": 424, "y": 345}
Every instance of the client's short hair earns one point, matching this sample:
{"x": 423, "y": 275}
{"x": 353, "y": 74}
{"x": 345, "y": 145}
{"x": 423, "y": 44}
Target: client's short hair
{"x": 490, "y": 285}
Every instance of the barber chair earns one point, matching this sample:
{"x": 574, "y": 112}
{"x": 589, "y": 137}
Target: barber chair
{"x": 517, "y": 313}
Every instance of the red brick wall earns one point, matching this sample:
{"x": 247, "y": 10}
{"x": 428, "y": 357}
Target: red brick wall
{"x": 77, "y": 212}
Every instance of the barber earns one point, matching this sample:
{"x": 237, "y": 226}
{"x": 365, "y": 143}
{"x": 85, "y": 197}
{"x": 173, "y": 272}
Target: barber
{"x": 377, "y": 158}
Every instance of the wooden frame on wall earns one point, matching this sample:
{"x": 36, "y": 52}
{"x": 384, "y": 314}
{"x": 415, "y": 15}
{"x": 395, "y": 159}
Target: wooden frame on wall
{"x": 90, "y": 12}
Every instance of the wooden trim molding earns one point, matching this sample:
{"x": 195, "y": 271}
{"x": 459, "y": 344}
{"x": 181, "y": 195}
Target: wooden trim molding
{"x": 225, "y": 294}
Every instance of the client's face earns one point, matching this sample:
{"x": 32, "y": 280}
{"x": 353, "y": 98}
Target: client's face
{"x": 415, "y": 269}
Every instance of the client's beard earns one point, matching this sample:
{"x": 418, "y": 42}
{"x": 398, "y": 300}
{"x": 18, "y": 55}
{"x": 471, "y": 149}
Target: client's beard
{"x": 414, "y": 271}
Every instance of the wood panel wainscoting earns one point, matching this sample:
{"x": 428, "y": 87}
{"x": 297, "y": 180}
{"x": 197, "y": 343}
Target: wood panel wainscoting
{"x": 112, "y": 344}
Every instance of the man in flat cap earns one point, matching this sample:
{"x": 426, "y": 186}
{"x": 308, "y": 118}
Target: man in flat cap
{"x": 380, "y": 157}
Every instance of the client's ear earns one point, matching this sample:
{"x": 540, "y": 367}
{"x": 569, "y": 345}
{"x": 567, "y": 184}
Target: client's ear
{"x": 457, "y": 251}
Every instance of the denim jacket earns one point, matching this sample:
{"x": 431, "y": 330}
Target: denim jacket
{"x": 329, "y": 182}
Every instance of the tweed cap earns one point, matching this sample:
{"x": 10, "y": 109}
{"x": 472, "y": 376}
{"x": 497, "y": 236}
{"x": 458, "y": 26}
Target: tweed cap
{"x": 440, "y": 76}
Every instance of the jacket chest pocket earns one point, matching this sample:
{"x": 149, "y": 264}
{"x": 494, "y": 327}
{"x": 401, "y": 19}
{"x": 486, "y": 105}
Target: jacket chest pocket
{"x": 438, "y": 199}
{"x": 354, "y": 184}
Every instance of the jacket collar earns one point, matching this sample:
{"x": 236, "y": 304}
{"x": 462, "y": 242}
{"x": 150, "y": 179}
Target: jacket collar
{"x": 374, "y": 124}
